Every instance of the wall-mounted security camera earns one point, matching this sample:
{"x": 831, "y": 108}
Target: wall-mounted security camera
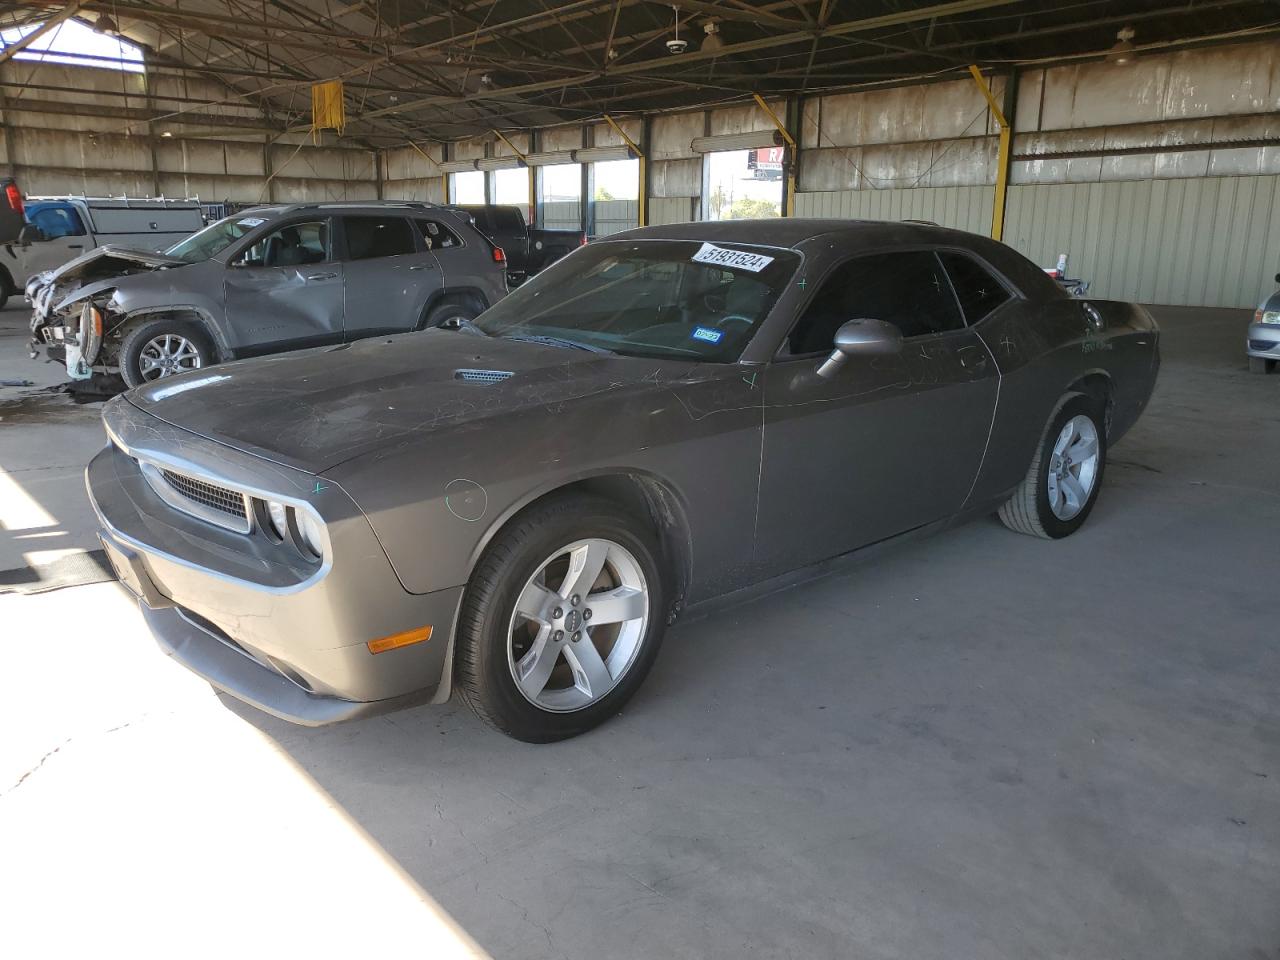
{"x": 677, "y": 45}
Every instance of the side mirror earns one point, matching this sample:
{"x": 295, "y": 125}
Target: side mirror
{"x": 861, "y": 338}
{"x": 29, "y": 234}
{"x": 1278, "y": 278}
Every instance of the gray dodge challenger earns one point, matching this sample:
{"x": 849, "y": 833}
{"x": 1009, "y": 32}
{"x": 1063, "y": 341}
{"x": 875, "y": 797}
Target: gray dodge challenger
{"x": 519, "y": 507}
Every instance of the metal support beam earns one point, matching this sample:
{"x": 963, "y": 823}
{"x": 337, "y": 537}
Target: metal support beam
{"x": 1002, "y": 156}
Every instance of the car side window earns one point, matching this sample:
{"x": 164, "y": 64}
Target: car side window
{"x": 293, "y": 245}
{"x": 370, "y": 237}
{"x": 436, "y": 235}
{"x": 908, "y": 289}
{"x": 54, "y": 222}
{"x": 977, "y": 290}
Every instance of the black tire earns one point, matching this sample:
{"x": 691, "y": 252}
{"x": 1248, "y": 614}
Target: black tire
{"x": 1028, "y": 510}
{"x": 450, "y": 313}
{"x": 138, "y": 337}
{"x": 483, "y": 671}
{"x": 4, "y": 296}
{"x": 1261, "y": 365}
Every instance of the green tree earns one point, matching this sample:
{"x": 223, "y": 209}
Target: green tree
{"x": 603, "y": 194}
{"x": 749, "y": 208}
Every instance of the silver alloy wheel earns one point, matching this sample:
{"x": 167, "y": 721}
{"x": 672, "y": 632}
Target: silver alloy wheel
{"x": 577, "y": 625}
{"x": 166, "y": 355}
{"x": 1073, "y": 467}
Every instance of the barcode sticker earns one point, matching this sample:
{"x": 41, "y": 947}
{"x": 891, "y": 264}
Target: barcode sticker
{"x": 736, "y": 259}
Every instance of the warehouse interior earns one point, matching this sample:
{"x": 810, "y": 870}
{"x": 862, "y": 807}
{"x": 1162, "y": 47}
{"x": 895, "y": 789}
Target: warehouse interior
{"x": 965, "y": 746}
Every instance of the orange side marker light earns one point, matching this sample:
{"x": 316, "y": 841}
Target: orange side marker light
{"x": 396, "y": 640}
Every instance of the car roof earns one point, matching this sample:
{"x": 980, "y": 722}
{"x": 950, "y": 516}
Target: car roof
{"x": 851, "y": 236}
{"x": 343, "y": 206}
{"x": 797, "y": 231}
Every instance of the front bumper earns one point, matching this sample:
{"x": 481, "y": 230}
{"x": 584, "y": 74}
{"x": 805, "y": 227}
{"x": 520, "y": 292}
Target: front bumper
{"x": 284, "y": 637}
{"x": 1263, "y": 340}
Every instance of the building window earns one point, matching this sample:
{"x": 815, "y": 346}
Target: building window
{"x": 75, "y": 42}
{"x": 743, "y": 184}
{"x": 512, "y": 187}
{"x": 467, "y": 187}
{"x": 560, "y": 196}
{"x": 615, "y": 195}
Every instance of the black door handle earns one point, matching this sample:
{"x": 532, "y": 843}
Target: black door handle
{"x": 973, "y": 359}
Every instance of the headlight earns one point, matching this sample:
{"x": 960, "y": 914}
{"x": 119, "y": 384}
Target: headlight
{"x": 278, "y": 516}
{"x": 309, "y": 529}
{"x": 1267, "y": 316}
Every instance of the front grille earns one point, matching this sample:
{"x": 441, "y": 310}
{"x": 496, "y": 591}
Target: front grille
{"x": 207, "y": 501}
{"x": 210, "y": 494}
{"x": 483, "y": 376}
{"x": 1263, "y": 344}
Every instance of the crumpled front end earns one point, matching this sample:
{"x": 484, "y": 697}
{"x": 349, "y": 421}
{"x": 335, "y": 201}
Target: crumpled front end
{"x": 74, "y": 316}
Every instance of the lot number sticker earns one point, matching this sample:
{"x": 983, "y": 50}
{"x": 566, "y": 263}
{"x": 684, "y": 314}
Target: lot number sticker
{"x": 736, "y": 259}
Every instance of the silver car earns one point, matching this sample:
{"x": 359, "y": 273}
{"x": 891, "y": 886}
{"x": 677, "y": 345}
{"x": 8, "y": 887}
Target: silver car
{"x": 1263, "y": 339}
{"x": 518, "y": 509}
{"x": 267, "y": 280}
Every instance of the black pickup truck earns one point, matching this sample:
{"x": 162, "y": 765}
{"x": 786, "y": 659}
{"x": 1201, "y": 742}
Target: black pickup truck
{"x": 528, "y": 250}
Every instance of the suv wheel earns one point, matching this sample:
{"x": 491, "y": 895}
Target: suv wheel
{"x": 451, "y": 313}
{"x": 162, "y": 348}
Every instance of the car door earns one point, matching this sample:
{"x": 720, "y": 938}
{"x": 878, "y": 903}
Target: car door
{"x": 390, "y": 275}
{"x": 887, "y": 443}
{"x": 285, "y": 289}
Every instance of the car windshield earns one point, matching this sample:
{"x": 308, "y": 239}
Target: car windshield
{"x": 213, "y": 239}
{"x": 649, "y": 298}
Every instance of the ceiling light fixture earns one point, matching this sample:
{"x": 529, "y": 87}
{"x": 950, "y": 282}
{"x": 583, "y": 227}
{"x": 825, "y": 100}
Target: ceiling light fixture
{"x": 676, "y": 45}
{"x": 104, "y": 24}
{"x": 1123, "y": 52}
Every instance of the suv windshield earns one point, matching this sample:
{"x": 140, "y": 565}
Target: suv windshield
{"x": 649, "y": 298}
{"x": 213, "y": 239}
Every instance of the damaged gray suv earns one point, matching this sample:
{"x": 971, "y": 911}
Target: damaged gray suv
{"x": 267, "y": 280}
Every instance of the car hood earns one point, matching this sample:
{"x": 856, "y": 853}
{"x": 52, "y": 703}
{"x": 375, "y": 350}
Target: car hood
{"x": 315, "y": 409}
{"x": 92, "y": 271}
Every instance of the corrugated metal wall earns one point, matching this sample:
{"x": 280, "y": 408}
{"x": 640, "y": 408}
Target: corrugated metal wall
{"x": 965, "y": 208}
{"x": 562, "y": 215}
{"x": 1212, "y": 242}
{"x": 672, "y": 209}
{"x": 614, "y": 216}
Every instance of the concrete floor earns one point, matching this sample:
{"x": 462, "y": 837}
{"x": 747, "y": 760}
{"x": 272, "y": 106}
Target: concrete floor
{"x": 976, "y": 746}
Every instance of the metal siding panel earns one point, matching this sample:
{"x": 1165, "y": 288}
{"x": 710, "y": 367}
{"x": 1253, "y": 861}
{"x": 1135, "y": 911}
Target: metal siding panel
{"x": 1259, "y": 267}
{"x": 1265, "y": 279}
{"x": 1159, "y": 262}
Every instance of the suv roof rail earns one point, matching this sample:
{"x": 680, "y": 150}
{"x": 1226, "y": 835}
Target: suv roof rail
{"x": 328, "y": 204}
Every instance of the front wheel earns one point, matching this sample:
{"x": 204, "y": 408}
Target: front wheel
{"x": 562, "y": 620}
{"x": 1061, "y": 487}
{"x": 162, "y": 348}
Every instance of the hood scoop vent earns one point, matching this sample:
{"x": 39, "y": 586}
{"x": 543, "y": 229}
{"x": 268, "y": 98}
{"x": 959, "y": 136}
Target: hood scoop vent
{"x": 482, "y": 376}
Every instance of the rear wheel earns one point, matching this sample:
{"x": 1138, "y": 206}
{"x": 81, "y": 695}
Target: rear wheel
{"x": 451, "y": 313}
{"x": 562, "y": 620}
{"x": 162, "y": 348}
{"x": 1261, "y": 365}
{"x": 1061, "y": 486}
